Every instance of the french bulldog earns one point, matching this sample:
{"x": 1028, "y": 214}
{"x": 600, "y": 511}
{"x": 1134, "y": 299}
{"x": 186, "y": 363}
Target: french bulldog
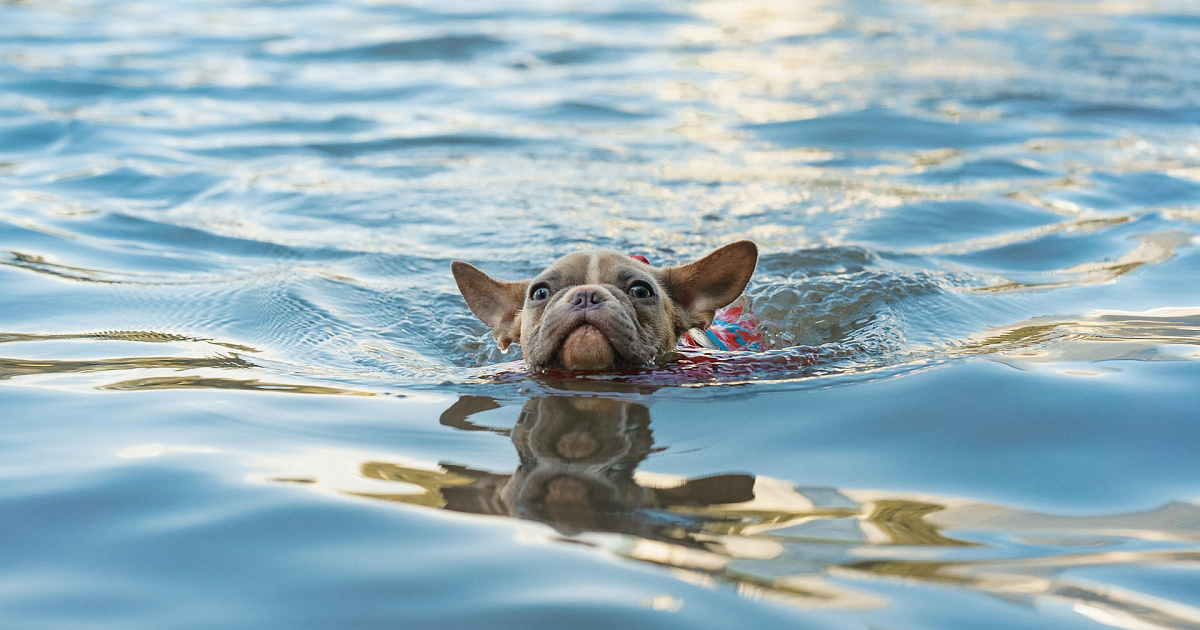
{"x": 603, "y": 310}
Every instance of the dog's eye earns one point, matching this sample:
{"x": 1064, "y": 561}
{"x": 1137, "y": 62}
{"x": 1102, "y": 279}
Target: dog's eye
{"x": 539, "y": 293}
{"x": 640, "y": 290}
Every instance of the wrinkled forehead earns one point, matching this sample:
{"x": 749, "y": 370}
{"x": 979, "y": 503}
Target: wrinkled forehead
{"x": 598, "y": 266}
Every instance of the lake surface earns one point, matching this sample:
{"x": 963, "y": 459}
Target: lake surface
{"x": 238, "y": 387}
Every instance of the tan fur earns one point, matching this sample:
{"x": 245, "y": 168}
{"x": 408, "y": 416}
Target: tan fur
{"x": 617, "y": 330}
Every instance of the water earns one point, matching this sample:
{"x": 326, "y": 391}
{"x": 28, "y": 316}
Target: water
{"x": 240, "y": 389}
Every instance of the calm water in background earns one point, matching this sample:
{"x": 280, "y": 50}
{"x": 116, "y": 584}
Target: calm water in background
{"x": 239, "y": 388}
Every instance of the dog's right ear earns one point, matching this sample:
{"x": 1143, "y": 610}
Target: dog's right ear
{"x": 496, "y": 303}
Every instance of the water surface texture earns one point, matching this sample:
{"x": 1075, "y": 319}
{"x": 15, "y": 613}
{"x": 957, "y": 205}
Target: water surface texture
{"x": 238, "y": 388}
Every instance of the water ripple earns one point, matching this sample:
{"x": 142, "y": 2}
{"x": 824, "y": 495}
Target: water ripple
{"x": 207, "y": 205}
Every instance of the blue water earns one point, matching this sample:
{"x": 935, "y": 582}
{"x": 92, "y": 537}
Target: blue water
{"x": 238, "y": 387}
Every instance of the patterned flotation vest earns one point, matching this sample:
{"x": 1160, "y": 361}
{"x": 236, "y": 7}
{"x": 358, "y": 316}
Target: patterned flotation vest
{"x": 732, "y": 329}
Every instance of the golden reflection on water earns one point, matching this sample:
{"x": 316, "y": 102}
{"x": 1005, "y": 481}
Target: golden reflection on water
{"x": 200, "y": 382}
{"x": 769, "y": 538}
{"x": 145, "y": 336}
{"x": 1165, "y": 334}
{"x": 11, "y": 368}
{"x": 39, "y": 264}
{"x": 748, "y": 79}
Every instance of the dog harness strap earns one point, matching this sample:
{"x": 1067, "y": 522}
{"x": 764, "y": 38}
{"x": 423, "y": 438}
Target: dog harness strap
{"x": 698, "y": 338}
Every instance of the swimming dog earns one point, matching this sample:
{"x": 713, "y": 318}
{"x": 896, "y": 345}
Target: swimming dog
{"x": 603, "y": 310}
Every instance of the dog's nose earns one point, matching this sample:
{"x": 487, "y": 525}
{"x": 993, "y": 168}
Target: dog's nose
{"x": 586, "y": 297}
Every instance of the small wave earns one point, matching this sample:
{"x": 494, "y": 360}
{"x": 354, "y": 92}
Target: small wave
{"x": 443, "y": 48}
{"x": 1162, "y": 334}
{"x": 880, "y": 129}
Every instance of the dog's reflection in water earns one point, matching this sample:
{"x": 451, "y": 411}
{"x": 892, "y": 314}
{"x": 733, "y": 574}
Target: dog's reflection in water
{"x": 577, "y": 472}
{"x": 577, "y": 460}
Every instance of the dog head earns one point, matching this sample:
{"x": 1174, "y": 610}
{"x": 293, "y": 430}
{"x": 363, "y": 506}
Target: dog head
{"x": 601, "y": 309}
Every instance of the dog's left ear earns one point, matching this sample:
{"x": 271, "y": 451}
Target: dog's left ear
{"x": 712, "y": 282}
{"x": 496, "y": 303}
